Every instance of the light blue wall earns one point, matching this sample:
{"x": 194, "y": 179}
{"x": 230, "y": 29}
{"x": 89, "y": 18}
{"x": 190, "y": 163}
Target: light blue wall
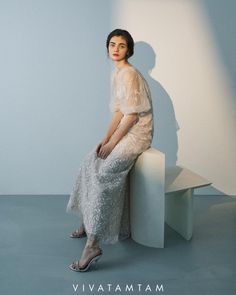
{"x": 55, "y": 88}
{"x": 54, "y": 91}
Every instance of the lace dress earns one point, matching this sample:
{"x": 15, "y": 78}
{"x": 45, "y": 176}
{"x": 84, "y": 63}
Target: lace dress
{"x": 100, "y": 195}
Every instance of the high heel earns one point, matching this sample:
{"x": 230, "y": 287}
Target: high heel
{"x": 76, "y": 234}
{"x": 79, "y": 233}
{"x": 75, "y": 265}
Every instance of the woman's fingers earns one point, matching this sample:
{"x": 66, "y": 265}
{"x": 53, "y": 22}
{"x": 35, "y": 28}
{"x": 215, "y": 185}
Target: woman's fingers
{"x": 100, "y": 152}
{"x": 104, "y": 152}
{"x": 98, "y": 148}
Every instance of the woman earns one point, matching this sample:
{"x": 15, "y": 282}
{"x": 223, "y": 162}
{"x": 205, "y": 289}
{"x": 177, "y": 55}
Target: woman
{"x": 100, "y": 194}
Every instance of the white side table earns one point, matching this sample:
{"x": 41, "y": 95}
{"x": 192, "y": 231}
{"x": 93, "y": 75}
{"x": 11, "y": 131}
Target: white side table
{"x": 159, "y": 195}
{"x": 179, "y": 185}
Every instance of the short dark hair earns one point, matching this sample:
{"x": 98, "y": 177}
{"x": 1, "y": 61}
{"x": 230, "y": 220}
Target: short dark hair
{"x": 124, "y": 34}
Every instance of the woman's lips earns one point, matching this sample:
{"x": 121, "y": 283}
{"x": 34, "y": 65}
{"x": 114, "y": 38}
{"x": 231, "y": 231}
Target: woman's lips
{"x": 115, "y": 54}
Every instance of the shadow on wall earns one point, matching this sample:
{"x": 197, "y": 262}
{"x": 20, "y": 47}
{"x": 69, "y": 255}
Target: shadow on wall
{"x": 165, "y": 124}
{"x": 223, "y": 23}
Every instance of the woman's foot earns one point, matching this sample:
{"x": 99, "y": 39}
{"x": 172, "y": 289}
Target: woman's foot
{"x": 79, "y": 233}
{"x": 89, "y": 256}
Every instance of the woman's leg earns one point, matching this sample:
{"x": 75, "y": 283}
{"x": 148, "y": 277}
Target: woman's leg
{"x": 91, "y": 249}
{"x": 92, "y": 252}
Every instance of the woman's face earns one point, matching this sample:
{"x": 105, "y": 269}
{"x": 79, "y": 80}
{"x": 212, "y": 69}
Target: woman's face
{"x": 117, "y": 48}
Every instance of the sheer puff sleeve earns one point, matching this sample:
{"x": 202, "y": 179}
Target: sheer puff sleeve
{"x": 134, "y": 95}
{"x": 130, "y": 92}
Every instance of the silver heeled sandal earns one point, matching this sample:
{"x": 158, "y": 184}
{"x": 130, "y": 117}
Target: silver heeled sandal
{"x": 75, "y": 265}
{"x": 76, "y": 234}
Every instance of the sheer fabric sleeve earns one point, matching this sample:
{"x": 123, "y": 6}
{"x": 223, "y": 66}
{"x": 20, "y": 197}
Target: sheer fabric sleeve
{"x": 134, "y": 93}
{"x": 114, "y": 104}
{"x": 114, "y": 101}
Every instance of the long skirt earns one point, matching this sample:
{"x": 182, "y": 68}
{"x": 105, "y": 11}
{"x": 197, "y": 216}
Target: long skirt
{"x": 100, "y": 195}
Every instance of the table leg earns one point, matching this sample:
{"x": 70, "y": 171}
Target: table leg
{"x": 179, "y": 212}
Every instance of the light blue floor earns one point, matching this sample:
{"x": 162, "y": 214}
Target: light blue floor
{"x": 35, "y": 252}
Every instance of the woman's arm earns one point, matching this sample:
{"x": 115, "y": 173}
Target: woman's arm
{"x": 106, "y": 149}
{"x": 116, "y": 118}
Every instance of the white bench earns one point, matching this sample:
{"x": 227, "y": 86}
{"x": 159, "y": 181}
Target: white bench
{"x": 158, "y": 195}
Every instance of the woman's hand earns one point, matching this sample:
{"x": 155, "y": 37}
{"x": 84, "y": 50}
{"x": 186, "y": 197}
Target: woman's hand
{"x": 101, "y": 143}
{"x": 105, "y": 150}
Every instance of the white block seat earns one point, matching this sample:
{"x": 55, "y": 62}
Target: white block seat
{"x": 147, "y": 201}
{"x": 158, "y": 195}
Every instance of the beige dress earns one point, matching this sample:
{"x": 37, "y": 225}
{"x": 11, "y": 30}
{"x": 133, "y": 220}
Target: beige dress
{"x": 100, "y": 195}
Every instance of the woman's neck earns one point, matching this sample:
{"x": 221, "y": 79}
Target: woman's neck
{"x": 122, "y": 63}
